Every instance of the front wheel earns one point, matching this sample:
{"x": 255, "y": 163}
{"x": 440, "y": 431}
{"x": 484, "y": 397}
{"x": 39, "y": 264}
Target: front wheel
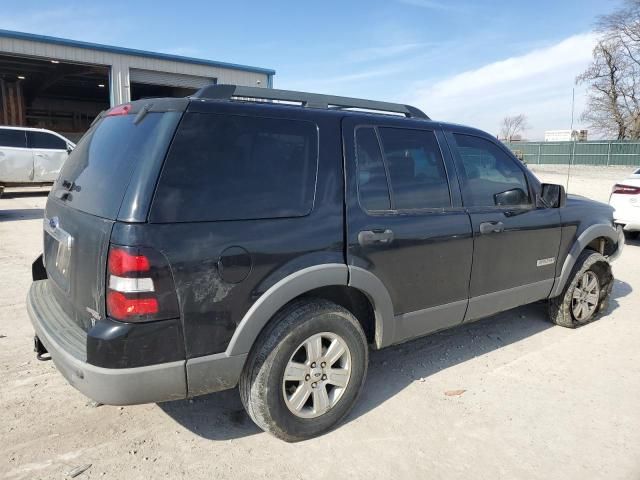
{"x": 305, "y": 371}
{"x": 586, "y": 294}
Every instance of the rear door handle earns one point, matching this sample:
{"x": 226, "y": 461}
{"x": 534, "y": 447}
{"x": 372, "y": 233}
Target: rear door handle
{"x": 375, "y": 237}
{"x": 491, "y": 227}
{"x": 40, "y": 155}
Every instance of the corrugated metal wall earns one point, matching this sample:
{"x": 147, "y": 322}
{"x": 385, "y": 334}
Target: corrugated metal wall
{"x": 578, "y": 153}
{"x": 169, "y": 79}
{"x": 121, "y": 64}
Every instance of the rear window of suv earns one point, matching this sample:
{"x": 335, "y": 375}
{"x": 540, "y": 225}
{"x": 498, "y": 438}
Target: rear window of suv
{"x": 100, "y": 167}
{"x": 233, "y": 167}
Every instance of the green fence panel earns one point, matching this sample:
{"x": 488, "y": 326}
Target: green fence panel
{"x": 578, "y": 153}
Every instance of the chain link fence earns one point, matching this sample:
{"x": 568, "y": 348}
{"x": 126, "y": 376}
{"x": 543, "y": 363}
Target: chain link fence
{"x": 600, "y": 153}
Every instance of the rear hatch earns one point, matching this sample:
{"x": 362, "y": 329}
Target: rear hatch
{"x": 110, "y": 175}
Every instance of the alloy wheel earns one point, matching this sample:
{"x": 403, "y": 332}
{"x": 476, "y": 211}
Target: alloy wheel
{"x": 586, "y": 296}
{"x": 316, "y": 375}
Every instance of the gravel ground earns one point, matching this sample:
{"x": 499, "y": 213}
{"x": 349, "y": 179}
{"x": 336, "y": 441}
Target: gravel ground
{"x": 534, "y": 400}
{"x": 592, "y": 182}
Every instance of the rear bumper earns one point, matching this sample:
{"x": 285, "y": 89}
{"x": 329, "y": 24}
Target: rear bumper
{"x": 124, "y": 386}
{"x": 626, "y": 214}
{"x": 112, "y": 386}
{"x": 632, "y": 226}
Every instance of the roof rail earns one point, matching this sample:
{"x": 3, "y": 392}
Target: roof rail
{"x": 311, "y": 100}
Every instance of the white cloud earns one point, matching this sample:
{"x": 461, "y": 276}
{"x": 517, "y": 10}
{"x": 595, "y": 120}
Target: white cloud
{"x": 347, "y": 84}
{"x": 434, "y": 4}
{"x": 537, "y": 84}
{"x": 376, "y": 53}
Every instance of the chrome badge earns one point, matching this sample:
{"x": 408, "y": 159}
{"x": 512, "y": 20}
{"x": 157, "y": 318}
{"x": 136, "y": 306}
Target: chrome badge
{"x": 546, "y": 261}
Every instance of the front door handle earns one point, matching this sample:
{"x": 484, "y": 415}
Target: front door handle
{"x": 491, "y": 227}
{"x": 375, "y": 237}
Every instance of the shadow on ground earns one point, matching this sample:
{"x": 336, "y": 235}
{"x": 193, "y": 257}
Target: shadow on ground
{"x": 220, "y": 416}
{"x": 24, "y": 194}
{"x": 632, "y": 242}
{"x": 21, "y": 214}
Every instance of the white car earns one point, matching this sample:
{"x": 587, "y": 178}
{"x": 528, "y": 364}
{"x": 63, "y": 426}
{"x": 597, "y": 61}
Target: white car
{"x": 31, "y": 156}
{"x": 625, "y": 199}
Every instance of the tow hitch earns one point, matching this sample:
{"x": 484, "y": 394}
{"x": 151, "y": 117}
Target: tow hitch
{"x": 41, "y": 351}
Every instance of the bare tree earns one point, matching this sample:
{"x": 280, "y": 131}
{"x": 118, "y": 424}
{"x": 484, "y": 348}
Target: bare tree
{"x": 513, "y": 125}
{"x": 613, "y": 78}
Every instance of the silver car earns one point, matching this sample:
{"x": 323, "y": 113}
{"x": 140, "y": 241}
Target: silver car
{"x": 31, "y": 156}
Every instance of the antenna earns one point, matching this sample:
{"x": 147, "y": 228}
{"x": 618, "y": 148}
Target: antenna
{"x": 573, "y": 148}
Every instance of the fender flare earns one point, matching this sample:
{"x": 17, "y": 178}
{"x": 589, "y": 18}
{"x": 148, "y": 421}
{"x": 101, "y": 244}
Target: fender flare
{"x": 278, "y": 295}
{"x": 378, "y": 295}
{"x": 590, "y": 234}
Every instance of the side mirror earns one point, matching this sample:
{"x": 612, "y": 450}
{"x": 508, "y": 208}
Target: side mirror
{"x": 553, "y": 195}
{"x": 510, "y": 198}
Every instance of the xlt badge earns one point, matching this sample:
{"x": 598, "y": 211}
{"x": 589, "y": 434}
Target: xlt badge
{"x": 545, "y": 261}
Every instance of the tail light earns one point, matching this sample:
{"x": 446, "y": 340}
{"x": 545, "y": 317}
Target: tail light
{"x": 140, "y": 286}
{"x": 625, "y": 189}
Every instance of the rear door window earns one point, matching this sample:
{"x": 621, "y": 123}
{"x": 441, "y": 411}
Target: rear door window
{"x": 45, "y": 140}
{"x": 232, "y": 167}
{"x": 416, "y": 169}
{"x": 98, "y": 171}
{"x": 12, "y": 138}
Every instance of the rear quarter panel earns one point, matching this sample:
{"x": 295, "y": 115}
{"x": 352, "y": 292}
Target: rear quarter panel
{"x": 211, "y": 308}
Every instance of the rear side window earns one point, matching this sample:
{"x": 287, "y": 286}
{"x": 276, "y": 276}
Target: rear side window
{"x": 101, "y": 165}
{"x": 12, "y": 138}
{"x": 231, "y": 167}
{"x": 416, "y": 169}
{"x": 489, "y": 175}
{"x": 45, "y": 140}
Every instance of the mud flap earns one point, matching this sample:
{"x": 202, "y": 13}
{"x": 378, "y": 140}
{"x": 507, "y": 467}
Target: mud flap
{"x": 38, "y": 272}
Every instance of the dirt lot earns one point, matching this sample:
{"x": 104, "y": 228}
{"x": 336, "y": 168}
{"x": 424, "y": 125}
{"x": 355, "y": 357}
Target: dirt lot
{"x": 540, "y": 401}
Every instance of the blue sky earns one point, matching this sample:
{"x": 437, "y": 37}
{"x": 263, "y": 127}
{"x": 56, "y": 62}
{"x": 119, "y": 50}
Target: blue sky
{"x": 465, "y": 61}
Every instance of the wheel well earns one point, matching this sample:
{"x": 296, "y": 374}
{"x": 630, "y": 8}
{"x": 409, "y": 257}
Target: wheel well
{"x": 602, "y": 245}
{"x": 602, "y": 267}
{"x": 353, "y": 300}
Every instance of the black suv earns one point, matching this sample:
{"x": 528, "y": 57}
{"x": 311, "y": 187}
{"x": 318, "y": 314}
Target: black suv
{"x": 268, "y": 238}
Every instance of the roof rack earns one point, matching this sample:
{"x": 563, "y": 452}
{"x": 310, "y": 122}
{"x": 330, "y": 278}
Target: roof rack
{"x": 311, "y": 100}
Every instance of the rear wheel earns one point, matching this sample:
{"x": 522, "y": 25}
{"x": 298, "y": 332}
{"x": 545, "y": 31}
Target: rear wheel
{"x": 305, "y": 371}
{"x": 586, "y": 294}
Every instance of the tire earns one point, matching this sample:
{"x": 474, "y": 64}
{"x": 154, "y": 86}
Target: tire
{"x": 564, "y": 311}
{"x": 269, "y": 399}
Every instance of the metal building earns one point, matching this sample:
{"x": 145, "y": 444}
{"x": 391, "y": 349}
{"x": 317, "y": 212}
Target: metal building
{"x": 62, "y": 84}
